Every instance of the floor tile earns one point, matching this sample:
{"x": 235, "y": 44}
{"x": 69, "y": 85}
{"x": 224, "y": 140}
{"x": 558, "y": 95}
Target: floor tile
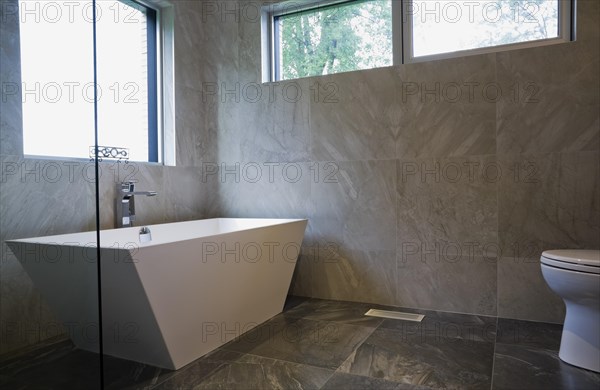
{"x": 325, "y": 344}
{"x": 526, "y": 367}
{"x": 317, "y": 343}
{"x": 59, "y": 369}
{"x": 61, "y": 365}
{"x": 231, "y": 370}
{"x": 336, "y": 311}
{"x": 262, "y": 334}
{"x": 441, "y": 363}
{"x": 528, "y": 333}
{"x": 341, "y": 381}
{"x": 292, "y": 301}
{"x": 8, "y": 382}
{"x": 194, "y": 373}
{"x": 447, "y": 325}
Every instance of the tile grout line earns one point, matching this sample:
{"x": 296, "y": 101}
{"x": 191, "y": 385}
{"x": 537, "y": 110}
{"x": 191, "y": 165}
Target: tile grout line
{"x": 224, "y": 347}
{"x": 281, "y": 361}
{"x": 494, "y": 356}
{"x": 353, "y": 351}
{"x": 328, "y": 379}
{"x": 177, "y": 373}
{"x": 497, "y": 193}
{"x": 269, "y": 359}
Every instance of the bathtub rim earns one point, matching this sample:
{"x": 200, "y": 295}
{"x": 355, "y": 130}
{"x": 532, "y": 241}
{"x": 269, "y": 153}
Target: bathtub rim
{"x": 62, "y": 240}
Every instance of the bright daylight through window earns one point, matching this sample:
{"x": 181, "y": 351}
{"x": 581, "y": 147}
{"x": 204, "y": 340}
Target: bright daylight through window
{"x": 449, "y": 26}
{"x": 57, "y": 78}
{"x": 324, "y": 37}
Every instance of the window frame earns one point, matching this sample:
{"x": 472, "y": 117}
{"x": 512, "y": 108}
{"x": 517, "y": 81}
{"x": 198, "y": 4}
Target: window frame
{"x": 402, "y": 33}
{"x": 153, "y": 48}
{"x": 165, "y": 80}
{"x": 565, "y": 10}
{"x": 268, "y": 26}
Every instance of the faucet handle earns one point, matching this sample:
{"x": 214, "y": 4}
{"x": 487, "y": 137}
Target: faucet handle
{"x": 127, "y": 186}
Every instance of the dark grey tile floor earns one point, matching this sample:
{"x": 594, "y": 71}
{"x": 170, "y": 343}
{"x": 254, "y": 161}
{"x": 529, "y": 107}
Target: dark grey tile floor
{"x": 318, "y": 344}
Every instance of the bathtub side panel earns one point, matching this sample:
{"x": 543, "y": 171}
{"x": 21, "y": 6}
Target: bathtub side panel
{"x": 206, "y": 292}
{"x": 129, "y": 326}
{"x": 66, "y": 277}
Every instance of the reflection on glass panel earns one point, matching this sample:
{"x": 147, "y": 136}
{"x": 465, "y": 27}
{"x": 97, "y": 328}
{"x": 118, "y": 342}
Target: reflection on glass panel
{"x": 333, "y": 39}
{"x": 445, "y": 26}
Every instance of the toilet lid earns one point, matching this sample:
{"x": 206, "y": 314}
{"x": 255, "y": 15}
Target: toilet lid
{"x": 575, "y": 259}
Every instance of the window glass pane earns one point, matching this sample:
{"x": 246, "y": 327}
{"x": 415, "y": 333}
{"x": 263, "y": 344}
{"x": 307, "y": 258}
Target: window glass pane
{"x": 338, "y": 38}
{"x": 57, "y": 78}
{"x": 122, "y": 50}
{"x": 444, "y": 26}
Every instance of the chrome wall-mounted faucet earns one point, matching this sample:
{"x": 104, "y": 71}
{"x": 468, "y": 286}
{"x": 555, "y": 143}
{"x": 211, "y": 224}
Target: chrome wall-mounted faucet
{"x": 125, "y": 207}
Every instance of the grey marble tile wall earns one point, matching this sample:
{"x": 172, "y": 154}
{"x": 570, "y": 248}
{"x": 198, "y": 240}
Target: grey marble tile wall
{"x": 41, "y": 197}
{"x": 431, "y": 185}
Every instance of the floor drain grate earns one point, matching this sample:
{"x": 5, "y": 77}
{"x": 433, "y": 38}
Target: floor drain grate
{"x": 395, "y": 315}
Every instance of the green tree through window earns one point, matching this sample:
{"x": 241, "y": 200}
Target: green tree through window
{"x": 335, "y": 39}
{"x": 339, "y": 37}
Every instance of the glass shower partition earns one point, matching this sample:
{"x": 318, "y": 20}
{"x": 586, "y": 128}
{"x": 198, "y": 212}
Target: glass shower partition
{"x": 130, "y": 179}
{"x": 50, "y": 329}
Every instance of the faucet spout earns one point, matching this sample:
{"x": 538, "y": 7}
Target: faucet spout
{"x": 125, "y": 203}
{"x": 145, "y": 193}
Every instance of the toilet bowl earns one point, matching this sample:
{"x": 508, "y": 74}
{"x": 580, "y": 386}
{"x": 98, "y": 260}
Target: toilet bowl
{"x": 574, "y": 275}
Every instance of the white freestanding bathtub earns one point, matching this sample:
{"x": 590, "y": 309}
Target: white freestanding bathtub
{"x": 195, "y": 286}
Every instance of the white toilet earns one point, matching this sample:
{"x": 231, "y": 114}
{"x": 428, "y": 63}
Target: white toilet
{"x": 574, "y": 275}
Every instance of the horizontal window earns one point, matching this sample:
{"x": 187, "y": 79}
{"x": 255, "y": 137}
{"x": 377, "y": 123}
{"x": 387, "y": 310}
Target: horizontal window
{"x": 317, "y": 38}
{"x": 331, "y": 39}
{"x": 437, "y": 27}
